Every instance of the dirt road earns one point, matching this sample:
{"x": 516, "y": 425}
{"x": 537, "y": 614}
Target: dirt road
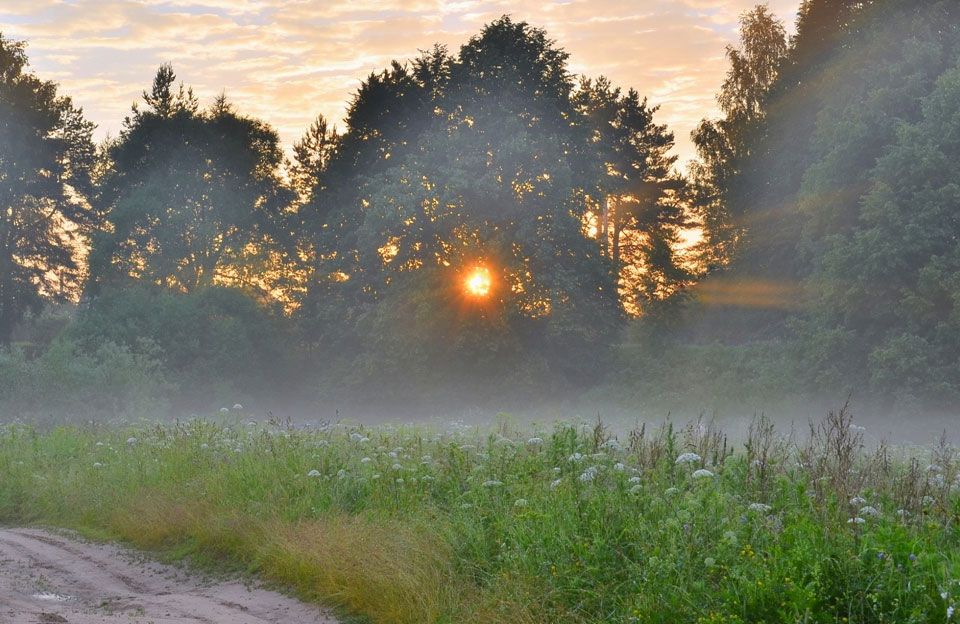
{"x": 46, "y": 578}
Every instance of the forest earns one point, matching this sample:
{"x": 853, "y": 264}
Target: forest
{"x": 487, "y": 230}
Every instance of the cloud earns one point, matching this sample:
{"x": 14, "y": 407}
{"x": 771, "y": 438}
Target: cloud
{"x": 288, "y": 60}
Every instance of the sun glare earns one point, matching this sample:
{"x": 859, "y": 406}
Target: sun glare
{"x": 478, "y": 282}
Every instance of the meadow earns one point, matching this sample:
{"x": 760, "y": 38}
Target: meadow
{"x": 514, "y": 523}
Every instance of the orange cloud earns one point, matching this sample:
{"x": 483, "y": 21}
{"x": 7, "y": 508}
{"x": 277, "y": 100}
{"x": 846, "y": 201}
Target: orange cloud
{"x": 288, "y": 60}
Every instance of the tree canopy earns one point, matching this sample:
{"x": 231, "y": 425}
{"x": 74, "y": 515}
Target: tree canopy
{"x": 46, "y": 158}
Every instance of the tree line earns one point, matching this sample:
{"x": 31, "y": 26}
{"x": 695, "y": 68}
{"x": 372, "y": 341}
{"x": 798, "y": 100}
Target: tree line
{"x": 205, "y": 259}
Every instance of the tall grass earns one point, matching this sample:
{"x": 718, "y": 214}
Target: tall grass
{"x": 570, "y": 524}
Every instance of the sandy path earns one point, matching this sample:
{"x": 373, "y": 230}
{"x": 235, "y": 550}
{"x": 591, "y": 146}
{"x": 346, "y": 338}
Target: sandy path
{"x": 46, "y": 578}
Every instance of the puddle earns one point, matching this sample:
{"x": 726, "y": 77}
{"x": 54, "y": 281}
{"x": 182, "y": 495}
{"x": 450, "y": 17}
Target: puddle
{"x": 52, "y": 597}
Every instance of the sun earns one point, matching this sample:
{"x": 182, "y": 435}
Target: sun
{"x": 478, "y": 282}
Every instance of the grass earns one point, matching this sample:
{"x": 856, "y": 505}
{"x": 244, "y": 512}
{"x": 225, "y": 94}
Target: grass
{"x": 415, "y": 525}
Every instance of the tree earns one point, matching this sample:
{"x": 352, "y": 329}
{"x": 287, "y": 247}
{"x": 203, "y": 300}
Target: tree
{"x": 725, "y": 144}
{"x": 640, "y": 207}
{"x": 452, "y": 163}
{"x": 192, "y": 197}
{"x": 46, "y": 156}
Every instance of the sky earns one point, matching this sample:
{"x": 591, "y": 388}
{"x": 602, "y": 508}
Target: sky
{"x": 286, "y": 61}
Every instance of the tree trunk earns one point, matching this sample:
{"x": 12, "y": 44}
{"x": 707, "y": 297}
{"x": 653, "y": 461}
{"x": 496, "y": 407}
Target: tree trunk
{"x": 604, "y": 226}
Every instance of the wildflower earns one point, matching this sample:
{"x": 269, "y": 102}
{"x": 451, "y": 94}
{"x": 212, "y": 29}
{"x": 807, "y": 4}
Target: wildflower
{"x": 376, "y": 477}
{"x": 857, "y": 501}
{"x": 557, "y": 470}
{"x": 492, "y": 483}
{"x": 341, "y": 474}
{"x": 760, "y": 508}
{"x": 703, "y": 473}
{"x": 237, "y": 406}
{"x": 131, "y": 441}
{"x": 927, "y": 501}
{"x": 611, "y": 445}
{"x": 393, "y": 454}
{"x": 871, "y": 512}
{"x": 204, "y": 446}
{"x": 634, "y": 480}
{"x": 313, "y": 473}
{"x": 903, "y": 513}
{"x": 400, "y": 481}
{"x": 619, "y": 467}
{"x": 950, "y": 612}
{"x": 535, "y": 442}
{"x": 709, "y": 562}
{"x": 426, "y": 478}
{"x": 555, "y": 483}
{"x": 97, "y": 465}
{"x": 575, "y": 457}
{"x": 857, "y": 428}
{"x": 355, "y": 437}
{"x": 688, "y": 458}
{"x": 934, "y": 468}
{"x": 397, "y": 467}
{"x": 671, "y": 491}
{"x": 520, "y": 502}
{"x": 635, "y": 489}
{"x": 856, "y": 520}
{"x": 321, "y": 443}
{"x": 224, "y": 410}
{"x": 589, "y": 474}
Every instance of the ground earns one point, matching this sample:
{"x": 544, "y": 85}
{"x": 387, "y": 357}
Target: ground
{"x": 48, "y": 578}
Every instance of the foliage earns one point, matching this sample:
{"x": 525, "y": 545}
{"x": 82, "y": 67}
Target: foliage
{"x": 191, "y": 198}
{"x": 46, "y": 156}
{"x": 215, "y": 345}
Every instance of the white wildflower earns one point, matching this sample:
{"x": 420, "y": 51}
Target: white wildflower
{"x": 575, "y": 457}
{"x": 759, "y": 508}
{"x": 688, "y": 458}
{"x": 619, "y": 467}
{"x": 555, "y": 483}
{"x": 365, "y": 460}
{"x": 857, "y": 501}
{"x": 97, "y": 465}
{"x": 520, "y": 502}
{"x": 313, "y": 473}
{"x": 535, "y": 442}
{"x": 671, "y": 491}
{"x": 703, "y": 473}
{"x": 492, "y": 483}
{"x": 237, "y": 406}
{"x": 224, "y": 410}
{"x": 634, "y": 480}
{"x": 636, "y": 488}
{"x": 341, "y": 474}
{"x": 131, "y": 441}
{"x": 856, "y": 520}
{"x": 868, "y": 511}
{"x": 589, "y": 474}
{"x": 397, "y": 467}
